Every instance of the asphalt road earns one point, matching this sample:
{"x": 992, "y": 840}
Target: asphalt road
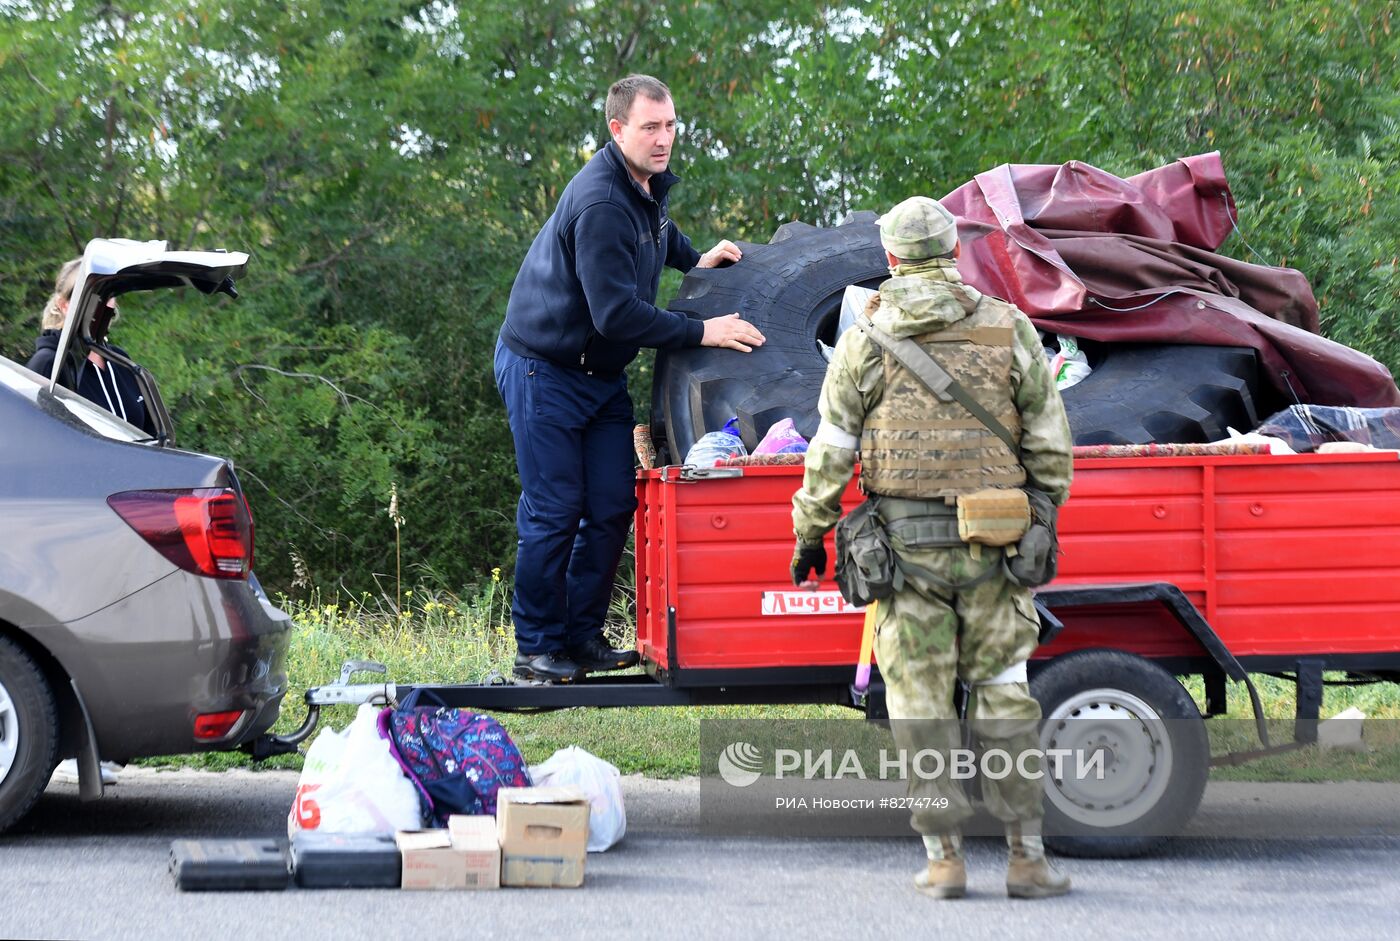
{"x": 74, "y": 870}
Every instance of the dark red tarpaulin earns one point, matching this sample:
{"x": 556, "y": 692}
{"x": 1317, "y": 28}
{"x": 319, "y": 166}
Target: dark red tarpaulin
{"x": 1092, "y": 255}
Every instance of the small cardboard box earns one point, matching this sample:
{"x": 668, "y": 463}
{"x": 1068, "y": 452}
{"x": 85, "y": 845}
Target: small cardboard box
{"x": 544, "y": 835}
{"x": 475, "y": 838}
{"x": 430, "y": 861}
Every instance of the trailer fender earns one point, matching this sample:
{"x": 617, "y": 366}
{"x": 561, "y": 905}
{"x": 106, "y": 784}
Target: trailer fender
{"x": 1178, "y": 605}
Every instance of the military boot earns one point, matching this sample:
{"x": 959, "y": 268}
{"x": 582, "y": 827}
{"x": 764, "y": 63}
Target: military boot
{"x": 945, "y": 876}
{"x": 1029, "y": 874}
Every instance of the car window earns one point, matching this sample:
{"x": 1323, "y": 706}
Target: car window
{"x": 31, "y": 384}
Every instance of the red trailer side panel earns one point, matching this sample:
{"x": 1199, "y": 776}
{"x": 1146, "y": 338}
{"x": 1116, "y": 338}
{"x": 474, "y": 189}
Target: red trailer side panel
{"x": 1284, "y": 555}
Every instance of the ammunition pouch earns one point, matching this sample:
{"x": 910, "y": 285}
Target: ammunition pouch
{"x": 866, "y": 569}
{"x": 993, "y": 517}
{"x": 1036, "y": 557}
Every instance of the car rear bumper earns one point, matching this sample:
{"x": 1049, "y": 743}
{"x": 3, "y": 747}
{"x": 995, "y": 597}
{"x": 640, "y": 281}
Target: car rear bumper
{"x": 180, "y": 648}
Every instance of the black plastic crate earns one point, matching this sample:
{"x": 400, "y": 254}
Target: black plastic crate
{"x": 346, "y": 860}
{"x": 230, "y": 865}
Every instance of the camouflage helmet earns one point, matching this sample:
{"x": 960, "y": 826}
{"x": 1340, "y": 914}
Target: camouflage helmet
{"x": 918, "y": 228}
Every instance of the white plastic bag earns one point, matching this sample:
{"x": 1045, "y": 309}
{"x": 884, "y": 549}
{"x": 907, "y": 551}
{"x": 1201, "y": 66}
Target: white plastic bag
{"x": 607, "y": 820}
{"x": 854, "y": 300}
{"x": 1070, "y": 366}
{"x": 351, "y": 783}
{"x": 1276, "y": 445}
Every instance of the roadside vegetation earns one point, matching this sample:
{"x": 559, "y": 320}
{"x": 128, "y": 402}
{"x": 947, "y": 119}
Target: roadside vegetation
{"x": 437, "y": 637}
{"x": 387, "y": 162}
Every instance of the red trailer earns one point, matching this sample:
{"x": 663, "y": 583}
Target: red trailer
{"x": 1209, "y": 566}
{"x": 1283, "y": 558}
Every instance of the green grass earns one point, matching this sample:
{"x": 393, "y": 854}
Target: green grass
{"x": 1377, "y": 700}
{"x": 436, "y": 637}
{"x": 1236, "y": 732}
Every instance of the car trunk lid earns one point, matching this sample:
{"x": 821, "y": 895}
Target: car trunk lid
{"x": 111, "y": 267}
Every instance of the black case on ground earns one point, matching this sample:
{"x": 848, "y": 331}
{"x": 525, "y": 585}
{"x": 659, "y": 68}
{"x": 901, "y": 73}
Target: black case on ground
{"x": 346, "y": 860}
{"x": 230, "y": 865}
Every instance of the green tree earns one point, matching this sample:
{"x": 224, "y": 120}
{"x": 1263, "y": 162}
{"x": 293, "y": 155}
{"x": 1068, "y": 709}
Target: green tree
{"x": 387, "y": 162}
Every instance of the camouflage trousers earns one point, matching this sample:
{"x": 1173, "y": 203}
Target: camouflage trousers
{"x": 927, "y": 638}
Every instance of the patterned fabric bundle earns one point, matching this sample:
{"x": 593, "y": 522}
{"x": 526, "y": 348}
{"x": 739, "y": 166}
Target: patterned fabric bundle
{"x": 1166, "y": 450}
{"x": 762, "y": 460}
{"x": 1307, "y": 427}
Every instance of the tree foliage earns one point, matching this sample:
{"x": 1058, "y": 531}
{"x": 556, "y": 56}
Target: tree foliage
{"x": 387, "y": 162}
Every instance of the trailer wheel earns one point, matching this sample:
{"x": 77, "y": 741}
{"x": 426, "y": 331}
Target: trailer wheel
{"x": 1154, "y": 748}
{"x": 28, "y": 733}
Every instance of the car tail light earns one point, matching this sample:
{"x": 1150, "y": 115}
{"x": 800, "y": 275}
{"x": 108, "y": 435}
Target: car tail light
{"x": 207, "y": 531}
{"x": 212, "y": 726}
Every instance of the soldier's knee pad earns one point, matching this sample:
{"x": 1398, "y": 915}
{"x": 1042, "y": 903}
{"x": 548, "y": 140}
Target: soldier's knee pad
{"x": 1002, "y": 707}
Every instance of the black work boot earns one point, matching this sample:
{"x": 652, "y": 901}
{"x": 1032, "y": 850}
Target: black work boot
{"x": 553, "y": 667}
{"x": 597, "y": 654}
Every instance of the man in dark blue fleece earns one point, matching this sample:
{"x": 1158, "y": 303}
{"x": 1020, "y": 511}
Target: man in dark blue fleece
{"x": 582, "y": 306}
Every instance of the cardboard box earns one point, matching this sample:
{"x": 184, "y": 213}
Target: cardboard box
{"x": 430, "y": 861}
{"x": 544, "y": 835}
{"x": 475, "y": 838}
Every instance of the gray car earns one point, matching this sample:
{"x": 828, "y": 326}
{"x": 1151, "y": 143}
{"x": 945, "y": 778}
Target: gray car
{"x": 131, "y": 623}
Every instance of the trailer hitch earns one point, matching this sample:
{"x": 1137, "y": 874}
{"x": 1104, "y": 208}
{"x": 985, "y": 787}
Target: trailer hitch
{"x": 340, "y": 693}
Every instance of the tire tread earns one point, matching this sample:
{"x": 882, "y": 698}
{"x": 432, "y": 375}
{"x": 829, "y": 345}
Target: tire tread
{"x": 38, "y": 751}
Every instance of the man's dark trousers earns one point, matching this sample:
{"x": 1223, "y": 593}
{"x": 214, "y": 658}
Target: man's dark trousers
{"x": 573, "y": 448}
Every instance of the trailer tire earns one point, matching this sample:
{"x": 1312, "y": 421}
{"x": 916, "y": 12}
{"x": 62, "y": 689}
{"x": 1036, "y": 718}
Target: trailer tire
{"x": 1154, "y": 739}
{"x": 791, "y": 289}
{"x": 28, "y": 733}
{"x": 1143, "y": 393}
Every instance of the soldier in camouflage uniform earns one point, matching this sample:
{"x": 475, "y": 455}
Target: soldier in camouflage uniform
{"x": 957, "y": 615}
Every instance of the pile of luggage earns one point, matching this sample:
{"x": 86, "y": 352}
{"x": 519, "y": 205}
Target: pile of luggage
{"x": 423, "y": 797}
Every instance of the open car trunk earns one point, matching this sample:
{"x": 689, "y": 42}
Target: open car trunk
{"x": 111, "y": 267}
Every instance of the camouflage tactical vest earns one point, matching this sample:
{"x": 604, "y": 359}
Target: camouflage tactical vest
{"x": 913, "y": 445}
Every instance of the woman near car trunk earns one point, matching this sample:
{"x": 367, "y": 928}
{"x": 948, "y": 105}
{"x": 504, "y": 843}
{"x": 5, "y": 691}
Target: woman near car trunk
{"x": 108, "y": 384}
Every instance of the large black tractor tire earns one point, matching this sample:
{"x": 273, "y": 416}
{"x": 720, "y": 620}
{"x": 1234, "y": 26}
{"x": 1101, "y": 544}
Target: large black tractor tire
{"x": 28, "y": 733}
{"x": 1138, "y": 394}
{"x": 791, "y": 289}
{"x": 1155, "y": 753}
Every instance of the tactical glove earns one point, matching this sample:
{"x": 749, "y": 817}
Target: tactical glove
{"x": 806, "y": 558}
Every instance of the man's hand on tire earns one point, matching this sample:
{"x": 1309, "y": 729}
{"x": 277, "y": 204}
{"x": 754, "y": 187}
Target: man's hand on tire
{"x": 726, "y": 252}
{"x": 805, "y": 559}
{"x": 731, "y": 332}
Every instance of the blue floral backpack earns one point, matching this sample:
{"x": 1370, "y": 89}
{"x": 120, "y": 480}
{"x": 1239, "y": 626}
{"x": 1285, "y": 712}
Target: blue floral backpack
{"x": 458, "y": 759}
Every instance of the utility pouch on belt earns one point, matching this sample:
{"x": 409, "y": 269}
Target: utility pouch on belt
{"x": 993, "y": 517}
{"x": 1036, "y": 558}
{"x": 865, "y": 564}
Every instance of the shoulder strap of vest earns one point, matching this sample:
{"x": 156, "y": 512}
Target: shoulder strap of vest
{"x": 931, "y": 373}
{"x": 965, "y": 298}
